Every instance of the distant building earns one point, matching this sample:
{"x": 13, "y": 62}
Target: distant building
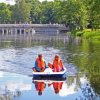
{"x": 31, "y": 29}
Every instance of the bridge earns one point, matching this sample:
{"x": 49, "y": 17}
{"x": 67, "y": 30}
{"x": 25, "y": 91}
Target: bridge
{"x": 31, "y": 29}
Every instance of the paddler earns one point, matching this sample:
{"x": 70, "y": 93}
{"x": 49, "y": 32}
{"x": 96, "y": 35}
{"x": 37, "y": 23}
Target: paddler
{"x": 40, "y": 64}
{"x": 57, "y": 65}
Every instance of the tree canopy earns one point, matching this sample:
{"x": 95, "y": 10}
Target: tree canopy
{"x": 77, "y": 14}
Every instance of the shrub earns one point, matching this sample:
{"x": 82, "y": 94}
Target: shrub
{"x": 96, "y": 38}
{"x": 79, "y": 33}
{"x": 87, "y": 30}
{"x": 91, "y": 34}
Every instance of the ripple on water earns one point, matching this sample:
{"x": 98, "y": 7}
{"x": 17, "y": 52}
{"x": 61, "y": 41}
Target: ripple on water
{"x": 21, "y": 60}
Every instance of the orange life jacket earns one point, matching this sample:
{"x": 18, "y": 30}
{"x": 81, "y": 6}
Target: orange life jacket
{"x": 57, "y": 64}
{"x": 40, "y": 86}
{"x": 57, "y": 85}
{"x": 41, "y": 63}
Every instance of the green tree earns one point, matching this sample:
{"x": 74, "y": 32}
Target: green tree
{"x": 5, "y": 13}
{"x": 36, "y": 10}
{"x": 75, "y": 14}
{"x": 21, "y": 11}
{"x": 95, "y": 13}
{"x": 47, "y": 12}
{"x": 93, "y": 7}
{"x": 58, "y": 6}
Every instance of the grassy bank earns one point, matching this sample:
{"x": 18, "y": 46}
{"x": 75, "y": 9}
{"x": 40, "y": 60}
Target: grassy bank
{"x": 92, "y": 35}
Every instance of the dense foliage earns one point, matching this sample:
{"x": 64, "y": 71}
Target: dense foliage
{"x": 77, "y": 14}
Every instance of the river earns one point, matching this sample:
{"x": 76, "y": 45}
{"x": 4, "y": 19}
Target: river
{"x": 80, "y": 57}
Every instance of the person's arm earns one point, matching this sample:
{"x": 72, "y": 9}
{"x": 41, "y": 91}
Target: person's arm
{"x": 45, "y": 65}
{"x": 61, "y": 85}
{"x": 62, "y": 64}
{"x": 50, "y": 84}
{"x": 50, "y": 66}
{"x": 36, "y": 66}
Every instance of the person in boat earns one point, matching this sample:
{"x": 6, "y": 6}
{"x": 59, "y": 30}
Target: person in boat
{"x": 40, "y": 86}
{"x": 40, "y": 64}
{"x": 57, "y": 86}
{"x": 57, "y": 65}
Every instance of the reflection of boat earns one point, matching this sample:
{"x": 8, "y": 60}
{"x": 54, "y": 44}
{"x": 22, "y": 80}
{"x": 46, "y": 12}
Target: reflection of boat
{"x": 48, "y": 81}
{"x": 40, "y": 85}
{"x": 48, "y": 73}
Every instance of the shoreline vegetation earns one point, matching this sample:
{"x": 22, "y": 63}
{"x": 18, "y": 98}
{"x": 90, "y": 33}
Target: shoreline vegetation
{"x": 91, "y": 35}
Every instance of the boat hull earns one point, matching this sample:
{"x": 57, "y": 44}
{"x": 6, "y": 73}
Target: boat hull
{"x": 50, "y": 74}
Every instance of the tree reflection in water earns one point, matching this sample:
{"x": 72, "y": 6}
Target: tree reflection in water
{"x": 8, "y": 95}
{"x": 12, "y": 90}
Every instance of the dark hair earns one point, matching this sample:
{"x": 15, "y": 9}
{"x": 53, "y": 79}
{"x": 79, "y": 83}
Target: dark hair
{"x": 39, "y": 55}
{"x": 40, "y": 93}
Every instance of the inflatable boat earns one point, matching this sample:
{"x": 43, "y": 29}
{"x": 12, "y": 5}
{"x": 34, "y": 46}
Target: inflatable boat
{"x": 48, "y": 73}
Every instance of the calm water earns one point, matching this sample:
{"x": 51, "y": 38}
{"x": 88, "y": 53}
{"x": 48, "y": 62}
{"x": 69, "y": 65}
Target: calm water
{"x": 81, "y": 58}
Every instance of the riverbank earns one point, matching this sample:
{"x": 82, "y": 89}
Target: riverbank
{"x": 91, "y": 35}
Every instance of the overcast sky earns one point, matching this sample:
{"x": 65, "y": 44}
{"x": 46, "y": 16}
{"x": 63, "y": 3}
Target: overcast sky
{"x": 13, "y": 1}
{"x": 8, "y": 1}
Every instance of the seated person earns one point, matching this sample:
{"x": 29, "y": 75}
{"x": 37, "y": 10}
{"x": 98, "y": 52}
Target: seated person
{"x": 57, "y": 65}
{"x": 40, "y": 64}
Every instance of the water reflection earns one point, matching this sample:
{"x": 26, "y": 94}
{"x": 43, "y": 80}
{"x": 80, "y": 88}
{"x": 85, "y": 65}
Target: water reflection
{"x": 79, "y": 57}
{"x": 57, "y": 86}
{"x": 73, "y": 88}
{"x": 19, "y": 87}
{"x": 39, "y": 86}
{"x": 12, "y": 85}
